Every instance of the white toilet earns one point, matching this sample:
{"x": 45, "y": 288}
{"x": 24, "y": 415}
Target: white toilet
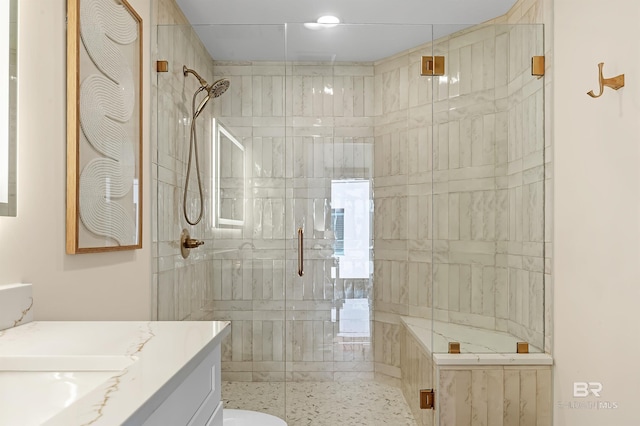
{"x": 250, "y": 418}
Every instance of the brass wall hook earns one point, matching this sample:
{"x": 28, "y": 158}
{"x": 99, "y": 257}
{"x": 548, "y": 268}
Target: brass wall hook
{"x": 614, "y": 82}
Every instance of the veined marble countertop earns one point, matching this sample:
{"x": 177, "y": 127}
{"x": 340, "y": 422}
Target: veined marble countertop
{"x": 97, "y": 373}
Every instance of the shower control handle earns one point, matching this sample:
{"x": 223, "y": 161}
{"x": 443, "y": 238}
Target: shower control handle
{"x": 192, "y": 243}
{"x": 187, "y": 243}
{"x": 300, "y": 252}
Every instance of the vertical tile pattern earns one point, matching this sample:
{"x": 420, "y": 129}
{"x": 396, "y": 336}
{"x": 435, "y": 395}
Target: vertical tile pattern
{"x": 496, "y": 396}
{"x": 303, "y": 126}
{"x": 464, "y": 186}
{"x": 467, "y": 195}
{"x": 180, "y": 285}
{"x": 475, "y": 395}
{"x": 525, "y": 181}
{"x": 402, "y": 215}
{"x": 417, "y": 374}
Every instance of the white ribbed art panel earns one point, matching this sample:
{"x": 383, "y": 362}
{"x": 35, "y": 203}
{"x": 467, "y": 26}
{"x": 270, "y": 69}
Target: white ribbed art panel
{"x": 107, "y": 129}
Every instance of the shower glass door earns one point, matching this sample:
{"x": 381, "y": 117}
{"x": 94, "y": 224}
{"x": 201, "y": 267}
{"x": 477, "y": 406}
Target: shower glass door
{"x": 348, "y": 137}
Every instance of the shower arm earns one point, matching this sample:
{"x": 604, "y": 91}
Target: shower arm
{"x": 187, "y": 71}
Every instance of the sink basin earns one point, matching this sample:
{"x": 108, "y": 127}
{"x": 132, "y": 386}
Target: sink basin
{"x": 101, "y": 373}
{"x": 54, "y": 381}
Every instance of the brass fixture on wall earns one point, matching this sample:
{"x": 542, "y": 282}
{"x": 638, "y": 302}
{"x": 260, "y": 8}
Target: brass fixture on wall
{"x": 162, "y": 66}
{"x": 432, "y": 65}
{"x": 427, "y": 399}
{"x": 614, "y": 82}
{"x": 537, "y": 66}
{"x": 300, "y": 252}
{"x": 454, "y": 347}
{"x": 522, "y": 348}
{"x": 187, "y": 243}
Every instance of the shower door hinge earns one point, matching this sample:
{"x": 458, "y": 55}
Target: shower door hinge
{"x": 427, "y": 399}
{"x": 537, "y": 66}
{"x": 162, "y": 66}
{"x": 522, "y": 348}
{"x": 432, "y": 65}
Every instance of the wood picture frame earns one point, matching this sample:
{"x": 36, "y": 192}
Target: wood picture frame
{"x": 104, "y": 126}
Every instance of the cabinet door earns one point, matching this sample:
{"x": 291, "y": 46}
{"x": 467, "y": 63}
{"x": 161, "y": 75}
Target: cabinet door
{"x": 194, "y": 400}
{"x": 217, "y": 418}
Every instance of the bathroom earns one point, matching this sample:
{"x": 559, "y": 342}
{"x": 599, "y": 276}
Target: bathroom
{"x": 117, "y": 285}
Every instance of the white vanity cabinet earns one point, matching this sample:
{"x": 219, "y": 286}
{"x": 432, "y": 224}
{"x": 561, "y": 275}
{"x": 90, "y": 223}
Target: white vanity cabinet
{"x": 73, "y": 373}
{"x": 195, "y": 401}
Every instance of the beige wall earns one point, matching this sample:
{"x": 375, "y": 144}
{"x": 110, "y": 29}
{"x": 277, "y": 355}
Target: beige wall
{"x": 76, "y": 287}
{"x": 597, "y": 244}
{"x": 594, "y": 221}
{"x": 597, "y": 209}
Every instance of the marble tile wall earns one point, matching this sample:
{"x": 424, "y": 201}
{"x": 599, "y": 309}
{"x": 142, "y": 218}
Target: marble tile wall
{"x": 457, "y": 184}
{"x": 459, "y": 166}
{"x": 418, "y": 372}
{"x": 532, "y": 12}
{"x": 302, "y": 125}
{"x": 496, "y": 396}
{"x": 179, "y": 285}
{"x": 526, "y": 185}
{"x": 398, "y": 151}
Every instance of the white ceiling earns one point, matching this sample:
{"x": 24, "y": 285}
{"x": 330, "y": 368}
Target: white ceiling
{"x": 371, "y": 29}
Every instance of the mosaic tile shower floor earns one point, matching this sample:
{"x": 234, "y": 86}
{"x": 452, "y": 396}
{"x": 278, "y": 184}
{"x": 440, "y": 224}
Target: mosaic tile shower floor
{"x": 322, "y": 403}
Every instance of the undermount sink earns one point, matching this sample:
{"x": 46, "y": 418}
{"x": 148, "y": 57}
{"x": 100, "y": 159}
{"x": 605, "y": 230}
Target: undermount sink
{"x": 104, "y": 373}
{"x": 55, "y": 382}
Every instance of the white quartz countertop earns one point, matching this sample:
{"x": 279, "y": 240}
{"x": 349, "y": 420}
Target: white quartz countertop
{"x": 97, "y": 373}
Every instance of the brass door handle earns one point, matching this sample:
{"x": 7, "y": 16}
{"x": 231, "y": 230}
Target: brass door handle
{"x": 300, "y": 252}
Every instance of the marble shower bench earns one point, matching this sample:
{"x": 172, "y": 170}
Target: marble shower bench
{"x": 483, "y": 385}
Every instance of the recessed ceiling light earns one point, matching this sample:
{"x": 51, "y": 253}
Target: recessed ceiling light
{"x": 327, "y": 21}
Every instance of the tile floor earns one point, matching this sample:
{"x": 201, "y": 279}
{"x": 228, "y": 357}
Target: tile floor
{"x": 322, "y": 403}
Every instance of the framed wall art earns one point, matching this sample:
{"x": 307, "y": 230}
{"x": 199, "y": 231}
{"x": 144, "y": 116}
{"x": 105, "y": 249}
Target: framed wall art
{"x": 104, "y": 126}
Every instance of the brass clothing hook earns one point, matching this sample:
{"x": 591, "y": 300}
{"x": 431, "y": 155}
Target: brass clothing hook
{"x": 614, "y": 82}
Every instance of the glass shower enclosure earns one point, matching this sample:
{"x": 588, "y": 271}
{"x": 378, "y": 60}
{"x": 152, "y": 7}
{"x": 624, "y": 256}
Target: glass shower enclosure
{"x": 349, "y": 199}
